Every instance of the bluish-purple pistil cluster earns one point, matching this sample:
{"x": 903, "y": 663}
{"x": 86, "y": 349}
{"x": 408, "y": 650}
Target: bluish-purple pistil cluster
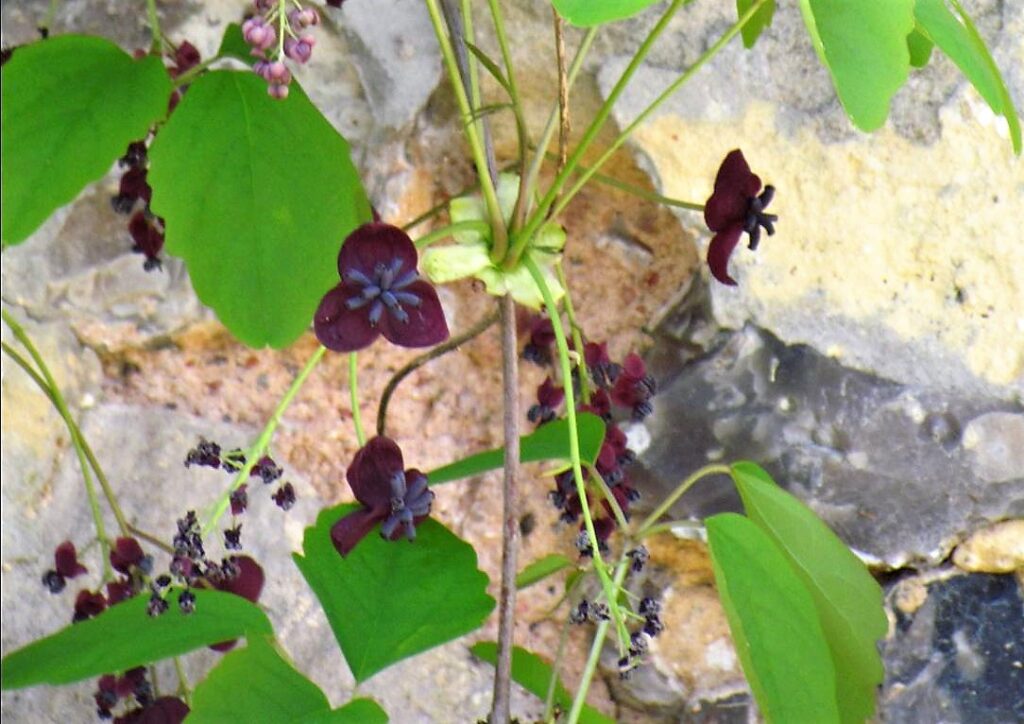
{"x": 408, "y": 502}
{"x": 384, "y": 290}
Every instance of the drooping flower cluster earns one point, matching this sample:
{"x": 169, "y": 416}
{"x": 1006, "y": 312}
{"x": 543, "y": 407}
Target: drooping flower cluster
{"x": 136, "y": 692}
{"x": 275, "y": 35}
{"x": 397, "y": 498}
{"x": 208, "y": 454}
{"x": 133, "y": 197}
{"x": 734, "y": 208}
{"x": 380, "y": 293}
{"x": 640, "y": 640}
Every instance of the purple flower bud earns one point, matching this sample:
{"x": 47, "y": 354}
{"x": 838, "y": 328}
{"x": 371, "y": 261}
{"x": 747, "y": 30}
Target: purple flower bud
{"x": 278, "y": 91}
{"x": 278, "y": 73}
{"x": 298, "y": 50}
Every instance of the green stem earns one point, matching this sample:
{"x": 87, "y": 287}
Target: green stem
{"x": 154, "y": 26}
{"x": 529, "y": 179}
{"x": 595, "y": 650}
{"x": 481, "y": 227}
{"x": 541, "y": 214}
{"x": 666, "y": 94}
{"x": 151, "y": 539}
{"x": 549, "y": 698}
{"x": 644, "y": 529}
{"x": 184, "y": 690}
{"x": 353, "y": 391}
{"x": 620, "y": 517}
{"x": 490, "y": 194}
{"x": 190, "y": 75}
{"x": 574, "y": 445}
{"x": 577, "y": 335}
{"x": 262, "y": 442}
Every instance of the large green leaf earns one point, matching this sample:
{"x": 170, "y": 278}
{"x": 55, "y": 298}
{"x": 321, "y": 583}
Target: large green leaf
{"x": 70, "y": 107}
{"x": 542, "y": 568}
{"x": 257, "y": 195}
{"x": 256, "y": 684}
{"x": 755, "y": 26}
{"x": 549, "y": 442}
{"x": 774, "y": 624}
{"x": 586, "y": 13}
{"x": 955, "y": 34}
{"x": 124, "y": 636}
{"x": 847, "y": 598}
{"x": 357, "y": 711}
{"x": 864, "y": 45}
{"x": 387, "y": 600}
{"x": 533, "y": 673}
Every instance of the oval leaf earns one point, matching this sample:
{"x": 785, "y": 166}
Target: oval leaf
{"x": 863, "y": 43}
{"x": 955, "y": 34}
{"x": 255, "y": 684}
{"x": 846, "y": 596}
{"x": 549, "y": 442}
{"x": 586, "y": 13}
{"x": 533, "y": 673}
{"x": 257, "y": 195}
{"x": 387, "y": 600}
{"x": 774, "y": 624}
{"x": 70, "y": 107}
{"x": 124, "y": 636}
{"x": 541, "y": 569}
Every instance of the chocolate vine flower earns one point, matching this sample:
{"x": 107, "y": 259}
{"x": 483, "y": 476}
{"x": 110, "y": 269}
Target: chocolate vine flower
{"x": 380, "y": 294}
{"x": 390, "y": 495}
{"x": 735, "y": 207}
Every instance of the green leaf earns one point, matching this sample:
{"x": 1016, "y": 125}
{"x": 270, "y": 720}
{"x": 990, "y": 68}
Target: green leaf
{"x": 955, "y": 34}
{"x": 847, "y": 598}
{"x": 124, "y": 636}
{"x": 761, "y": 19}
{"x": 549, "y": 442}
{"x": 533, "y": 673}
{"x": 587, "y": 13}
{"x": 70, "y": 107}
{"x": 257, "y": 195}
{"x": 920, "y": 47}
{"x": 541, "y": 569}
{"x": 488, "y": 63}
{"x": 864, "y": 45}
{"x": 388, "y": 600}
{"x": 233, "y": 45}
{"x": 774, "y": 624}
{"x": 357, "y": 711}
{"x": 255, "y": 684}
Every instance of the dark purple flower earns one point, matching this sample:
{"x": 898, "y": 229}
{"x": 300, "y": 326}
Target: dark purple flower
{"x": 125, "y": 553}
{"x": 65, "y": 560}
{"x": 266, "y": 470}
{"x": 148, "y": 237}
{"x": 390, "y": 495}
{"x": 634, "y": 387}
{"x": 88, "y": 604}
{"x": 239, "y": 499}
{"x": 119, "y": 590}
{"x": 246, "y": 581}
{"x": 380, "y": 293}
{"x": 186, "y": 57}
{"x": 165, "y": 710}
{"x": 733, "y": 208}
{"x": 549, "y": 397}
{"x": 284, "y": 496}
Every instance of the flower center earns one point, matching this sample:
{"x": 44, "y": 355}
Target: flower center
{"x": 384, "y": 288}
{"x": 756, "y": 218}
{"x": 407, "y": 503}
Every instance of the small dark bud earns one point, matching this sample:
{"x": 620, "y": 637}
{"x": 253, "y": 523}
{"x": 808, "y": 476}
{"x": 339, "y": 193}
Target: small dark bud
{"x": 163, "y": 581}
{"x": 284, "y": 497}
{"x": 649, "y": 607}
{"x": 580, "y": 613}
{"x": 187, "y": 601}
{"x": 639, "y": 556}
{"x": 205, "y": 454}
{"x": 599, "y": 612}
{"x": 54, "y": 582}
{"x": 653, "y": 626}
{"x": 239, "y": 500}
{"x": 233, "y": 538}
{"x": 267, "y": 470}
{"x": 156, "y": 606}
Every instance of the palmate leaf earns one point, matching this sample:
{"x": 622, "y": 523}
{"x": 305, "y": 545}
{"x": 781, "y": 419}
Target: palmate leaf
{"x": 848, "y": 600}
{"x": 774, "y": 624}
{"x": 257, "y": 195}
{"x": 70, "y": 107}
{"x": 387, "y": 600}
{"x": 124, "y": 636}
{"x": 863, "y": 43}
{"x": 549, "y": 442}
{"x": 587, "y": 13}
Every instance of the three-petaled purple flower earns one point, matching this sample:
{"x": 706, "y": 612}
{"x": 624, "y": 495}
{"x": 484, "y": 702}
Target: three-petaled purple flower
{"x": 380, "y": 293}
{"x": 735, "y": 207}
{"x": 391, "y": 495}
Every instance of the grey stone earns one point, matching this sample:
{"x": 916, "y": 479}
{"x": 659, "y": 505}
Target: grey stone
{"x": 888, "y": 466}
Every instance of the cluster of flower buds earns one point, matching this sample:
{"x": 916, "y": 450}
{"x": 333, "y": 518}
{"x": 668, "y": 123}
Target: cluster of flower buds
{"x": 640, "y": 640}
{"x": 133, "y": 196}
{"x": 135, "y": 690}
{"x": 589, "y": 611}
{"x": 126, "y": 558}
{"x": 273, "y": 36}
{"x": 208, "y": 454}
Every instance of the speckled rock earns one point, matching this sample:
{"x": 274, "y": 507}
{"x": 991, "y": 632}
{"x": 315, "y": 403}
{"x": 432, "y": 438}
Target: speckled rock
{"x": 998, "y": 548}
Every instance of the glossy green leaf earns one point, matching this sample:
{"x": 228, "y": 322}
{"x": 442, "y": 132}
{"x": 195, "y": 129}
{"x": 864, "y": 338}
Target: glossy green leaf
{"x": 533, "y": 673}
{"x": 549, "y": 442}
{"x": 541, "y": 569}
{"x": 863, "y": 43}
{"x": 124, "y": 636}
{"x": 955, "y": 34}
{"x": 920, "y": 47}
{"x": 755, "y": 26}
{"x": 257, "y": 195}
{"x": 388, "y": 600}
{"x": 357, "y": 711}
{"x": 233, "y": 45}
{"x": 256, "y": 684}
{"x": 70, "y": 107}
{"x": 587, "y": 13}
{"x": 774, "y": 624}
{"x": 847, "y": 598}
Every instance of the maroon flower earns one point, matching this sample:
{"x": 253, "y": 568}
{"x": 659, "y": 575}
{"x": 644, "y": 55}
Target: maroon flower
{"x": 65, "y": 560}
{"x": 165, "y": 710}
{"x": 88, "y": 604}
{"x": 246, "y": 582}
{"x": 634, "y": 387}
{"x": 733, "y": 208}
{"x": 119, "y": 590}
{"x": 390, "y": 494}
{"x": 125, "y": 553}
{"x": 380, "y": 293}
